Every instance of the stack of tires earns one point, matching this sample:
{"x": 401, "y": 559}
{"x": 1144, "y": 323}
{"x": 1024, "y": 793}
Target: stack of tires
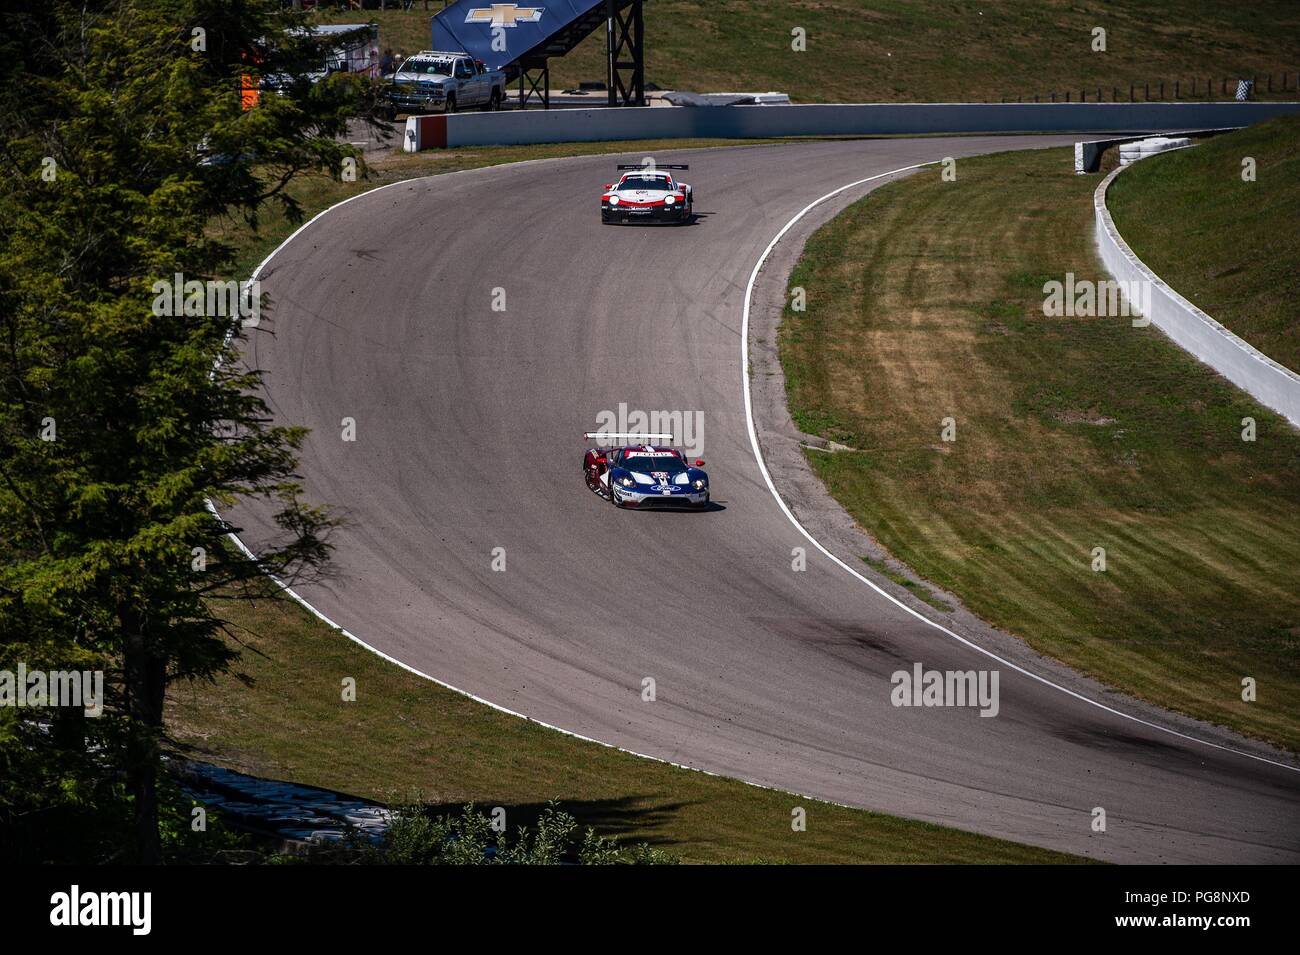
{"x": 1132, "y": 152}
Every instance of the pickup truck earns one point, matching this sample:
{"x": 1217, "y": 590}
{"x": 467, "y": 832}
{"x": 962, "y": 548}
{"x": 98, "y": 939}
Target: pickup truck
{"x": 435, "y": 82}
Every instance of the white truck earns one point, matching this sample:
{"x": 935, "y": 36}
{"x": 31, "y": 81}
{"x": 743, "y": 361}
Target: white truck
{"x": 437, "y": 82}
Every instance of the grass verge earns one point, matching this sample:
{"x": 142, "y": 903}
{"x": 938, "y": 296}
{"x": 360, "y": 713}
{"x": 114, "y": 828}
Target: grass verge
{"x": 924, "y": 302}
{"x": 916, "y": 588}
{"x": 1227, "y": 244}
{"x": 279, "y": 713}
{"x": 951, "y": 51}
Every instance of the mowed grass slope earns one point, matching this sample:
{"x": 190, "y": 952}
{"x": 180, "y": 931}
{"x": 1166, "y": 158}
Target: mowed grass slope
{"x": 905, "y": 50}
{"x": 1230, "y": 246}
{"x": 924, "y": 301}
{"x": 280, "y": 714}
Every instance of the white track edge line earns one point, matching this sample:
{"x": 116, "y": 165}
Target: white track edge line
{"x": 306, "y": 605}
{"x": 762, "y": 466}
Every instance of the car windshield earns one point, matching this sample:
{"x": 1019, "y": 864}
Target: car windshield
{"x": 647, "y": 463}
{"x": 643, "y": 182}
{"x": 427, "y": 67}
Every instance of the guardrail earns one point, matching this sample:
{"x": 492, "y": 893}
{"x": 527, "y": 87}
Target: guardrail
{"x": 866, "y": 119}
{"x": 1269, "y": 383}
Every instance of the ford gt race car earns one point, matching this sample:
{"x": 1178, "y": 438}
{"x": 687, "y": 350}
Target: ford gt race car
{"x": 647, "y": 194}
{"x": 643, "y": 475}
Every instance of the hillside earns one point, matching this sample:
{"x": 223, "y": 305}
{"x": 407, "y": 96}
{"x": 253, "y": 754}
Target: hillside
{"x": 1228, "y": 245}
{"x": 955, "y": 51}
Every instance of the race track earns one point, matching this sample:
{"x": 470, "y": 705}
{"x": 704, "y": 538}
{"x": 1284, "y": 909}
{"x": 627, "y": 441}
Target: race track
{"x": 468, "y": 425}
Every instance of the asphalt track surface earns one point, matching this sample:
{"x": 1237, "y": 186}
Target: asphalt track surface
{"x": 468, "y": 425}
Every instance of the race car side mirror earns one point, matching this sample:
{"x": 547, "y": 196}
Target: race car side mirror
{"x": 699, "y": 463}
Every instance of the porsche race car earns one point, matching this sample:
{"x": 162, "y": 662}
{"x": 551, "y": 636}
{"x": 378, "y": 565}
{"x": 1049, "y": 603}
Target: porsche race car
{"x": 647, "y": 194}
{"x": 643, "y": 474}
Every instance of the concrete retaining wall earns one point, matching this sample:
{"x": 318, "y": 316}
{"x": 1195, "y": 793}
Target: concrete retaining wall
{"x": 1269, "y": 383}
{"x": 752, "y": 122}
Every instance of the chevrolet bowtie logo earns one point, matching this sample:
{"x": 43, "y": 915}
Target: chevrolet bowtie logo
{"x": 504, "y": 15}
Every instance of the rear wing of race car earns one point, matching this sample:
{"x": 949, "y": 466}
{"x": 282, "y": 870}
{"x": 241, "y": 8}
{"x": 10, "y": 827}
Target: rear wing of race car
{"x": 628, "y": 437}
{"x": 651, "y": 167}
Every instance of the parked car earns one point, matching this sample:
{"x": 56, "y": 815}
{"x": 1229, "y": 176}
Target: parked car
{"x": 434, "y": 82}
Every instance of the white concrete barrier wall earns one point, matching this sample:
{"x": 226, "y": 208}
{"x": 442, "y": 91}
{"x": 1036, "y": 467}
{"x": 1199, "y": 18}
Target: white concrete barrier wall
{"x": 1087, "y": 154}
{"x": 750, "y": 122}
{"x": 1269, "y": 383}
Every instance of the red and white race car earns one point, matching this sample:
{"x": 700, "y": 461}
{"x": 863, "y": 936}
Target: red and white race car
{"x": 644, "y": 473}
{"x": 647, "y": 194}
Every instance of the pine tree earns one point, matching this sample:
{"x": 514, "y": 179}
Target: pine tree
{"x": 122, "y": 137}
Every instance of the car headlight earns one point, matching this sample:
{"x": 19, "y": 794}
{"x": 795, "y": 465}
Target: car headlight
{"x": 669, "y": 200}
{"x": 626, "y": 480}
{"x": 613, "y": 200}
{"x": 699, "y": 484}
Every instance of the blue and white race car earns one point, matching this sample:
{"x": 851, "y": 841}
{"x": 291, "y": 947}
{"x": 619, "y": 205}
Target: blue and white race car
{"x": 643, "y": 474}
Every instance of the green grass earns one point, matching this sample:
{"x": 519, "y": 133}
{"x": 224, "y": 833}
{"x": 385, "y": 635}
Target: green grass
{"x": 949, "y": 51}
{"x": 914, "y": 587}
{"x": 1230, "y": 246}
{"x": 279, "y": 714}
{"x": 924, "y": 302}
